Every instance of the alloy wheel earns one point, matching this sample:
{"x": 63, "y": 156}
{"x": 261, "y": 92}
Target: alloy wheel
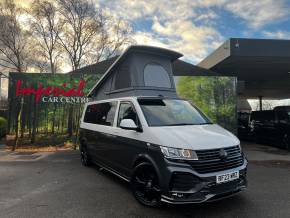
{"x": 145, "y": 185}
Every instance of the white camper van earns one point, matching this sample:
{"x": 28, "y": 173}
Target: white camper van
{"x": 165, "y": 147}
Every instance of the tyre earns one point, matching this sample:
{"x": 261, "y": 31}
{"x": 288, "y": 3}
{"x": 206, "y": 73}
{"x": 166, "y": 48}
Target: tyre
{"x": 85, "y": 158}
{"x": 145, "y": 185}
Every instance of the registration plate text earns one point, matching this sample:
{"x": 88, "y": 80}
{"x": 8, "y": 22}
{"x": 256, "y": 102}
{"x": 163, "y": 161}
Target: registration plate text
{"x": 227, "y": 177}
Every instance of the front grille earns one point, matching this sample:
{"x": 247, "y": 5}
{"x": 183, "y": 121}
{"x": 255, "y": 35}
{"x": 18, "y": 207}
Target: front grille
{"x": 211, "y": 161}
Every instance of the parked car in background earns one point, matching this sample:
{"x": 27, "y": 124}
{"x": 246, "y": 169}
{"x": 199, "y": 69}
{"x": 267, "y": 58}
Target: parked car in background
{"x": 272, "y": 126}
{"x": 244, "y": 130}
{"x": 282, "y": 108}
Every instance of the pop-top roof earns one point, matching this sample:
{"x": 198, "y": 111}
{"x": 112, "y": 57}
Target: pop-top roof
{"x": 140, "y": 70}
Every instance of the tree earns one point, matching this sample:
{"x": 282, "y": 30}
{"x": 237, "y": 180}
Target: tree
{"x": 215, "y": 96}
{"x": 14, "y": 47}
{"x": 81, "y": 24}
{"x": 41, "y": 65}
{"x": 113, "y": 36}
{"x": 14, "y": 40}
{"x": 89, "y": 33}
{"x": 46, "y": 27}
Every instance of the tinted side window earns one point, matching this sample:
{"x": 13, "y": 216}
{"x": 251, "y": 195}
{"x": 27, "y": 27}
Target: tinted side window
{"x": 127, "y": 111}
{"x": 102, "y": 114}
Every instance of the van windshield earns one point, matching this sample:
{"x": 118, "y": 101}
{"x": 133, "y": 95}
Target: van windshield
{"x": 171, "y": 112}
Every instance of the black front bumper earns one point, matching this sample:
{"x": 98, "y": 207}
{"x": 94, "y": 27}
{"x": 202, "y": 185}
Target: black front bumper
{"x": 205, "y": 188}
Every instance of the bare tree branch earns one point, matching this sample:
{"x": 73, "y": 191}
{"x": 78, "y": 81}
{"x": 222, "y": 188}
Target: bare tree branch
{"x": 89, "y": 34}
{"x": 13, "y": 39}
{"x": 46, "y": 26}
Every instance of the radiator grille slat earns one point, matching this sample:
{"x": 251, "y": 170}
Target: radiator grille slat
{"x": 211, "y": 161}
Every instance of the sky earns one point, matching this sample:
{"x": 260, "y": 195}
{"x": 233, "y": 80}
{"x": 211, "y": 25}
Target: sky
{"x": 196, "y": 27}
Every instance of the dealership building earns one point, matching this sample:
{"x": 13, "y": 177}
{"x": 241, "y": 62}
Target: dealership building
{"x": 262, "y": 67}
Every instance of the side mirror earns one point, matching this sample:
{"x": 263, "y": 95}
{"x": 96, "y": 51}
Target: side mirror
{"x": 128, "y": 124}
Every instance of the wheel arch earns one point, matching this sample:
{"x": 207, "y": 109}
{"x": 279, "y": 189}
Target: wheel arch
{"x": 145, "y": 158}
{"x": 83, "y": 142}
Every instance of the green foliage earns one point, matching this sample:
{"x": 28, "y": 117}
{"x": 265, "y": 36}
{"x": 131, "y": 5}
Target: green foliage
{"x": 3, "y": 126}
{"x": 215, "y": 96}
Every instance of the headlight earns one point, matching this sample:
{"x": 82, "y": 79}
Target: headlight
{"x": 177, "y": 153}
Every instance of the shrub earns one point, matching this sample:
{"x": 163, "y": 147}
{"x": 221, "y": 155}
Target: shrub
{"x": 3, "y": 127}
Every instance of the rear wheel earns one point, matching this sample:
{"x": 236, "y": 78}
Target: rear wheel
{"x": 145, "y": 185}
{"x": 85, "y": 158}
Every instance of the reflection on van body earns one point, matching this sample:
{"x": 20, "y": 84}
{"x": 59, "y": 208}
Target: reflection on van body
{"x": 168, "y": 149}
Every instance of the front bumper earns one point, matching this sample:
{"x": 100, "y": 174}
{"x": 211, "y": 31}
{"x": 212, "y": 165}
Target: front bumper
{"x": 205, "y": 188}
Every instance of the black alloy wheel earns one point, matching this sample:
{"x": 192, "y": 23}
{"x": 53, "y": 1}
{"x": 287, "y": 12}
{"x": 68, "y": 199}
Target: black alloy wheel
{"x": 145, "y": 185}
{"x": 85, "y": 159}
{"x": 286, "y": 142}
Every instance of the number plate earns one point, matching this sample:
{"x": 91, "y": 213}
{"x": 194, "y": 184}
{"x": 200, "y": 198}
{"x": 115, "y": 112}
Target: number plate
{"x": 227, "y": 177}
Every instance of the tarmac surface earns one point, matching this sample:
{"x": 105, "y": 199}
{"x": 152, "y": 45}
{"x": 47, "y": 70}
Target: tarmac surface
{"x": 57, "y": 185}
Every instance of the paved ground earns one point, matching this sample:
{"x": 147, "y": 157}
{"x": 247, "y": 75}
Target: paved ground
{"x": 58, "y": 186}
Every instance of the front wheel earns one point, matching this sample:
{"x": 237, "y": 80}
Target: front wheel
{"x": 145, "y": 185}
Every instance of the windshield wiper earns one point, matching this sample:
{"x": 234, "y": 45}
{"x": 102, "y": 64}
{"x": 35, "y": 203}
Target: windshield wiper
{"x": 188, "y": 124}
{"x": 180, "y": 124}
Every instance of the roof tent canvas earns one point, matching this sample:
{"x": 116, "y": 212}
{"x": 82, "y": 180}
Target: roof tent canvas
{"x": 139, "y": 71}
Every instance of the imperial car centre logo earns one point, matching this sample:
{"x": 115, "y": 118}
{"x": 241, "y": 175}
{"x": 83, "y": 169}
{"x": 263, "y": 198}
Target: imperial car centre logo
{"x": 54, "y": 94}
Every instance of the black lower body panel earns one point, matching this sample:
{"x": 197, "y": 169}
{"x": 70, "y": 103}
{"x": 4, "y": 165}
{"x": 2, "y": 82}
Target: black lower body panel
{"x": 191, "y": 187}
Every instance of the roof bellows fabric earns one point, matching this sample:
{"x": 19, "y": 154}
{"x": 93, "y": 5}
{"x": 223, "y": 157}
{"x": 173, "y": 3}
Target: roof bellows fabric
{"x": 139, "y": 71}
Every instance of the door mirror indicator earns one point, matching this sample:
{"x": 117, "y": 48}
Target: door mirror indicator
{"x": 128, "y": 124}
